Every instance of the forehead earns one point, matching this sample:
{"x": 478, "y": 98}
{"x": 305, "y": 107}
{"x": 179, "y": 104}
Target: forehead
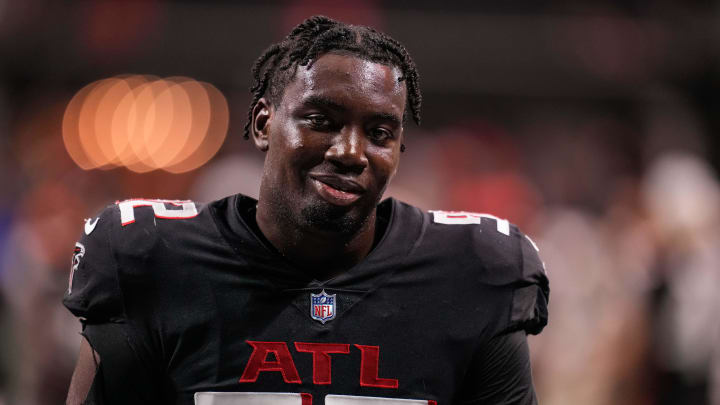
{"x": 350, "y": 81}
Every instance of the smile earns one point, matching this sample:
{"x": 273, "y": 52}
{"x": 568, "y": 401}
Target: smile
{"x": 337, "y": 191}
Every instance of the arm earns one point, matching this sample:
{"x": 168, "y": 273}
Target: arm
{"x": 499, "y": 369}
{"x": 84, "y": 374}
{"x": 94, "y": 295}
{"x": 119, "y": 378}
{"x": 500, "y": 373}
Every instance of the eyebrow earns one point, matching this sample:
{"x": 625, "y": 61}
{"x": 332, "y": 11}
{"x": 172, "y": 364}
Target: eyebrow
{"x": 388, "y": 117}
{"x": 325, "y": 102}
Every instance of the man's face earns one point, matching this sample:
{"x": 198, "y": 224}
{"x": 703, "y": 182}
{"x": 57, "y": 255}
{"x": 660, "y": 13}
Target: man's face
{"x": 332, "y": 142}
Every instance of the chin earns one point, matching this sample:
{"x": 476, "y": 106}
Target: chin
{"x": 331, "y": 218}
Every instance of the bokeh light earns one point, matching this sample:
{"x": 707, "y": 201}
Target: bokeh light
{"x": 145, "y": 123}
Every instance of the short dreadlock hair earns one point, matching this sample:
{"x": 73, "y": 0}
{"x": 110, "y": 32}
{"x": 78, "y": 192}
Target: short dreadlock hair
{"x": 318, "y": 35}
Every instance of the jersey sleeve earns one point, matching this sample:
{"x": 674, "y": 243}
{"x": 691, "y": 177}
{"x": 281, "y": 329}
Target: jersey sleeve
{"x": 531, "y": 294}
{"x": 93, "y": 293}
{"x": 123, "y": 374}
{"x": 126, "y": 370}
{"x": 496, "y": 254}
{"x": 500, "y": 373}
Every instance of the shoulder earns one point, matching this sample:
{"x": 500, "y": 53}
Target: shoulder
{"x": 492, "y": 252}
{"x": 124, "y": 242}
{"x": 158, "y": 215}
{"x": 146, "y": 227}
{"x": 495, "y": 244}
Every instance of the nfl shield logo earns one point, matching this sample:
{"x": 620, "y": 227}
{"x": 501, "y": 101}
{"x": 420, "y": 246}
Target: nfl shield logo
{"x": 322, "y": 306}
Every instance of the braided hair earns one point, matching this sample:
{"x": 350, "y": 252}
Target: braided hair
{"x": 318, "y": 35}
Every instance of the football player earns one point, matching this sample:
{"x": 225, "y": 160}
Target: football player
{"x": 317, "y": 292}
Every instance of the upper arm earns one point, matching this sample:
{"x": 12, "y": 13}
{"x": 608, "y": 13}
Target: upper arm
{"x": 128, "y": 367}
{"x": 500, "y": 373}
{"x": 84, "y": 374}
{"x": 110, "y": 371}
{"x": 500, "y": 370}
{"x": 93, "y": 292}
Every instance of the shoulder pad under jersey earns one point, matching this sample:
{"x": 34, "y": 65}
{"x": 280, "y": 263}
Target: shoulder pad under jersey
{"x": 497, "y": 253}
{"x": 111, "y": 243}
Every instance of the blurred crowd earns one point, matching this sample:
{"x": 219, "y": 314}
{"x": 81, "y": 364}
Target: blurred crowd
{"x": 624, "y": 206}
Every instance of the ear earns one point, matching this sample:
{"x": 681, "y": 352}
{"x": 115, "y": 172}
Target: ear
{"x": 261, "y": 116}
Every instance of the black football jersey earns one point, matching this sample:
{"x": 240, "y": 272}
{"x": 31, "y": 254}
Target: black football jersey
{"x": 187, "y": 304}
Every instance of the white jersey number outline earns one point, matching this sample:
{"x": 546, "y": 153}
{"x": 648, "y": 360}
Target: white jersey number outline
{"x": 465, "y": 218}
{"x": 127, "y": 209}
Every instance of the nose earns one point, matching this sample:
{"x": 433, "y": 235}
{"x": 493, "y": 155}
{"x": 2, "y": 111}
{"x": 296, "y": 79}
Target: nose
{"x": 347, "y": 150}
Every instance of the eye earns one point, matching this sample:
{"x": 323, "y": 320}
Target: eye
{"x": 318, "y": 121}
{"x": 380, "y": 134}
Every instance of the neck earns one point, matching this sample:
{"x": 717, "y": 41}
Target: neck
{"x": 321, "y": 254}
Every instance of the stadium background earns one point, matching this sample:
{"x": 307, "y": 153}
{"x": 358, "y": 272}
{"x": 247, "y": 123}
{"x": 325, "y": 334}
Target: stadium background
{"x": 593, "y": 125}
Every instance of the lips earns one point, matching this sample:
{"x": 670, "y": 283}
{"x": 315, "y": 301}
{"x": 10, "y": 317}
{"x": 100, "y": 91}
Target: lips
{"x": 337, "y": 190}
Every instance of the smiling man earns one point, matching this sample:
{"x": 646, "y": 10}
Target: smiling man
{"x": 333, "y": 144}
{"x": 318, "y": 292}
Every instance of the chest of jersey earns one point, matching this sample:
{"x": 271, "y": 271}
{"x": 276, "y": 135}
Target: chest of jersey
{"x": 222, "y": 315}
{"x": 216, "y": 316}
{"x": 230, "y": 326}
